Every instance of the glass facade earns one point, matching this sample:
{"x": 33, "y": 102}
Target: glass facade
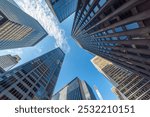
{"x": 62, "y": 8}
{"x": 75, "y": 90}
{"x": 33, "y": 80}
{"x": 17, "y": 28}
{"x": 117, "y": 30}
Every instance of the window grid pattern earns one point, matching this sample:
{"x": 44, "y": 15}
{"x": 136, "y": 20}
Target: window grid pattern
{"x": 119, "y": 31}
{"x": 32, "y": 79}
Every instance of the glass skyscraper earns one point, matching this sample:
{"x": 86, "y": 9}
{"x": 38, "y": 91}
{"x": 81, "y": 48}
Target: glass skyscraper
{"x": 75, "y": 90}
{"x": 33, "y": 80}
{"x": 17, "y": 29}
{"x": 62, "y": 8}
{"x": 117, "y": 30}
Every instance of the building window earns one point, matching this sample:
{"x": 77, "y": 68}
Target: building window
{"x": 91, "y": 14}
{"x": 23, "y": 71}
{"x": 123, "y": 37}
{"x": 37, "y": 71}
{"x": 19, "y": 75}
{"x": 88, "y": 18}
{"x": 22, "y": 87}
{"x": 114, "y": 38}
{"x": 118, "y": 29}
{"x": 104, "y": 33}
{"x": 132, "y": 26}
{"x": 38, "y": 85}
{"x": 108, "y": 39}
{"x": 8, "y": 82}
{"x": 110, "y": 31}
{"x": 84, "y": 12}
{"x": 15, "y": 93}
{"x": 96, "y": 9}
{"x": 42, "y": 83}
{"x": 146, "y": 96}
{"x": 31, "y": 78}
{"x": 91, "y": 1}
{"x": 35, "y": 89}
{"x": 87, "y": 7}
{"x": 31, "y": 95}
{"x": 27, "y": 82}
{"x": 102, "y": 2}
{"x": 35, "y": 75}
{"x": 4, "y": 97}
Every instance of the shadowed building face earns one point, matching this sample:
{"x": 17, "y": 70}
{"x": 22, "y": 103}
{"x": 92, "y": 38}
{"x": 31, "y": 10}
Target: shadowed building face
{"x": 118, "y": 30}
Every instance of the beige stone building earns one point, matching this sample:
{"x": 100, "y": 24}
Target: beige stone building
{"x": 128, "y": 85}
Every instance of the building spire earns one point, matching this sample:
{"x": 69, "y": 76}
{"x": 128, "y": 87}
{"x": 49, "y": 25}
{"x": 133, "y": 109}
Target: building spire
{"x": 98, "y": 93}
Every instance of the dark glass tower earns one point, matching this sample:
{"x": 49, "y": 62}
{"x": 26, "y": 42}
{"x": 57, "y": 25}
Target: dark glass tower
{"x": 17, "y": 29}
{"x": 33, "y": 80}
{"x": 117, "y": 30}
{"x": 75, "y": 90}
{"x": 62, "y": 8}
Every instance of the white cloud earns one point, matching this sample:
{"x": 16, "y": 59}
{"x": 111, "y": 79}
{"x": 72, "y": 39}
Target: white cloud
{"x": 20, "y": 51}
{"x": 40, "y": 11}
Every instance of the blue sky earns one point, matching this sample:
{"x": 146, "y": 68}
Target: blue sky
{"x": 77, "y": 60}
{"x": 77, "y": 63}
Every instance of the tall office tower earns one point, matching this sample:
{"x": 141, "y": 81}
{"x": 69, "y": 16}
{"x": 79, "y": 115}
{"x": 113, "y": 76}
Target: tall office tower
{"x": 17, "y": 29}
{"x": 129, "y": 85}
{"x": 33, "y": 80}
{"x": 62, "y": 8}
{"x": 8, "y": 61}
{"x": 75, "y": 90}
{"x": 118, "y": 30}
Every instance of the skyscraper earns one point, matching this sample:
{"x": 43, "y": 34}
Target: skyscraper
{"x": 75, "y": 90}
{"x": 128, "y": 85}
{"x": 62, "y": 8}
{"x": 117, "y": 30}
{"x": 33, "y": 80}
{"x": 8, "y": 61}
{"x": 98, "y": 93}
{"x": 17, "y": 29}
